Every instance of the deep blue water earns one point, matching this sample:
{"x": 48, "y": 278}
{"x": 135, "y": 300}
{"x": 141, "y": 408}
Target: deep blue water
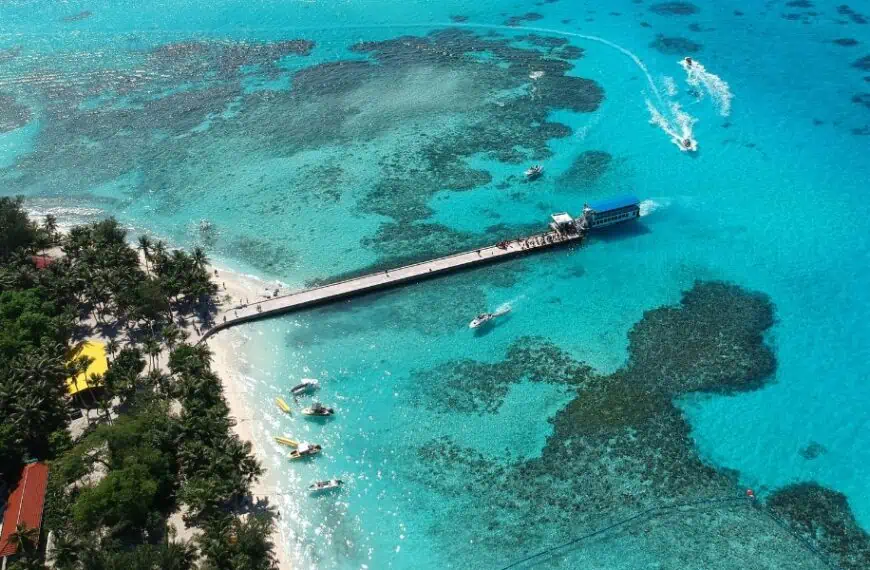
{"x": 109, "y": 122}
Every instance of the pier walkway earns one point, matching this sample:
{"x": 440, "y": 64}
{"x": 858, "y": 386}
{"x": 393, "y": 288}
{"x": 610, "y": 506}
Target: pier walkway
{"x": 357, "y": 286}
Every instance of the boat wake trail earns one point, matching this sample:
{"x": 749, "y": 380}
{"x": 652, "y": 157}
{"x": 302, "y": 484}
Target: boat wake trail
{"x": 677, "y": 125}
{"x": 647, "y": 207}
{"x": 705, "y": 82}
{"x": 507, "y": 306}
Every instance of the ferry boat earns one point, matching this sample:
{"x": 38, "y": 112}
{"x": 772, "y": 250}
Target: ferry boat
{"x": 603, "y": 213}
{"x": 534, "y": 172}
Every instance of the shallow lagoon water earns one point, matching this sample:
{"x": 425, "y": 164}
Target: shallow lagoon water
{"x": 774, "y": 202}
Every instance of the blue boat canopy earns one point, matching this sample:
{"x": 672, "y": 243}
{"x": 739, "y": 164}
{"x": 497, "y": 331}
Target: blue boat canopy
{"x": 613, "y": 203}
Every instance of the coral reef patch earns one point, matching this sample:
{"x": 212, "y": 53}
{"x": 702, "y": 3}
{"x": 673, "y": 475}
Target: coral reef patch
{"x": 674, "y": 9}
{"x": 586, "y": 169}
{"x": 620, "y": 446}
{"x": 12, "y": 113}
{"x": 823, "y": 516}
{"x": 675, "y": 45}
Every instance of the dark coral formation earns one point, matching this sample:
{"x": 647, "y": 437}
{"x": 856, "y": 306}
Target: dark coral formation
{"x": 78, "y": 17}
{"x": 527, "y": 17}
{"x": 813, "y": 450}
{"x": 675, "y": 45}
{"x": 823, "y": 516}
{"x": 846, "y": 42}
{"x": 586, "y": 169}
{"x": 862, "y": 99}
{"x": 12, "y": 113}
{"x": 162, "y": 122}
{"x": 863, "y": 64}
{"x": 855, "y": 17}
{"x": 458, "y": 19}
{"x": 799, "y": 4}
{"x": 674, "y": 9}
{"x": 620, "y": 446}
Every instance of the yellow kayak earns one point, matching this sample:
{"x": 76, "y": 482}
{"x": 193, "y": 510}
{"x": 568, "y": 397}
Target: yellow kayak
{"x": 286, "y": 441}
{"x": 283, "y": 405}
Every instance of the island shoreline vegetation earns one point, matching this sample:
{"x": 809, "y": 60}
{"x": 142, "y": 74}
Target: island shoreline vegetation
{"x": 163, "y": 442}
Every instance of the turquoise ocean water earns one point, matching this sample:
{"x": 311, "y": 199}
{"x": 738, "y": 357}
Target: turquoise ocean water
{"x": 169, "y": 114}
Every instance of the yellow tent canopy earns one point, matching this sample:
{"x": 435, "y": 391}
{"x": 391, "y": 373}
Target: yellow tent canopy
{"x": 96, "y": 351}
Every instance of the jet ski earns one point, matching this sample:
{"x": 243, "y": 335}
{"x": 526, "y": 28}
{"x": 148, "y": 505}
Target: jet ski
{"x": 534, "y": 172}
{"x": 484, "y": 318}
{"x": 304, "y": 386}
{"x": 688, "y": 144}
{"x": 319, "y": 410}
{"x": 320, "y": 486}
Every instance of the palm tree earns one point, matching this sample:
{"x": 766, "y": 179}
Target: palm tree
{"x": 199, "y": 258}
{"x": 50, "y": 225}
{"x": 112, "y": 345}
{"x": 145, "y": 245}
{"x": 152, "y": 349}
{"x": 171, "y": 334}
{"x": 24, "y": 538}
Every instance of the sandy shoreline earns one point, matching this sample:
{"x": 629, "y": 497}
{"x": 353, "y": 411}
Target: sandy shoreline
{"x": 225, "y": 345}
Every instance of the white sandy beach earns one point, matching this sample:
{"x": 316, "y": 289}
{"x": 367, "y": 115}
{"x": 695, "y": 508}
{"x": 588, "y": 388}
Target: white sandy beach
{"x": 224, "y": 345}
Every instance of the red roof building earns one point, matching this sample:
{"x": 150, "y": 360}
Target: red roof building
{"x": 24, "y": 506}
{"x": 41, "y": 261}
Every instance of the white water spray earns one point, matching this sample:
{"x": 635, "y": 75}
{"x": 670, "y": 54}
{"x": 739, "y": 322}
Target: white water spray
{"x": 679, "y": 127}
{"x": 705, "y": 82}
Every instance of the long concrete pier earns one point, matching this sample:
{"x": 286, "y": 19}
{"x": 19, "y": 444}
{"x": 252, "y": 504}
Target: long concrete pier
{"x": 380, "y": 280}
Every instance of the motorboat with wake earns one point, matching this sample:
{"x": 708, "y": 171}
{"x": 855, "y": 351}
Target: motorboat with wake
{"x": 304, "y": 450}
{"x": 321, "y": 486}
{"x": 304, "y": 386}
{"x": 688, "y": 144}
{"x": 484, "y": 318}
{"x": 318, "y": 410}
{"x": 534, "y": 172}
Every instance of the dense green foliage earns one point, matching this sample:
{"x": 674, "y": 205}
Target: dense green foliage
{"x": 163, "y": 440}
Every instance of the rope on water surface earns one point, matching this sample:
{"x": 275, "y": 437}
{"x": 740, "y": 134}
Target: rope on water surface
{"x": 663, "y": 509}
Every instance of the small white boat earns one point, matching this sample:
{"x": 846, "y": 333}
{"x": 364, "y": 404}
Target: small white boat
{"x": 534, "y": 172}
{"x": 484, "y": 318}
{"x": 304, "y": 386}
{"x": 319, "y": 410}
{"x": 320, "y": 486}
{"x": 304, "y": 450}
{"x": 480, "y": 320}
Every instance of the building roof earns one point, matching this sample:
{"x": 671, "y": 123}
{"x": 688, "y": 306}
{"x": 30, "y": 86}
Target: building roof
{"x": 25, "y": 505}
{"x": 97, "y": 352}
{"x": 562, "y": 218}
{"x": 41, "y": 261}
{"x": 613, "y": 203}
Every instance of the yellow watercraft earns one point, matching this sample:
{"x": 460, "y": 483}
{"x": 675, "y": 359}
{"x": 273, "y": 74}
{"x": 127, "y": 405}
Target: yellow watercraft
{"x": 283, "y": 405}
{"x": 286, "y": 441}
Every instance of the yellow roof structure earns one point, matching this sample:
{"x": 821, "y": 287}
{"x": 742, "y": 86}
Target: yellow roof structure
{"x": 96, "y": 351}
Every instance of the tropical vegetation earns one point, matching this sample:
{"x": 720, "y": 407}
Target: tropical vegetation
{"x": 162, "y": 441}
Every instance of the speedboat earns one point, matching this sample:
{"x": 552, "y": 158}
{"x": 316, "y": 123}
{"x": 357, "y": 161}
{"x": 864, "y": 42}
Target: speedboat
{"x": 480, "y": 320}
{"x": 319, "y": 410}
{"x": 304, "y": 386}
{"x": 320, "y": 486}
{"x": 304, "y": 450}
{"x": 484, "y": 318}
{"x": 688, "y": 144}
{"x": 534, "y": 172}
